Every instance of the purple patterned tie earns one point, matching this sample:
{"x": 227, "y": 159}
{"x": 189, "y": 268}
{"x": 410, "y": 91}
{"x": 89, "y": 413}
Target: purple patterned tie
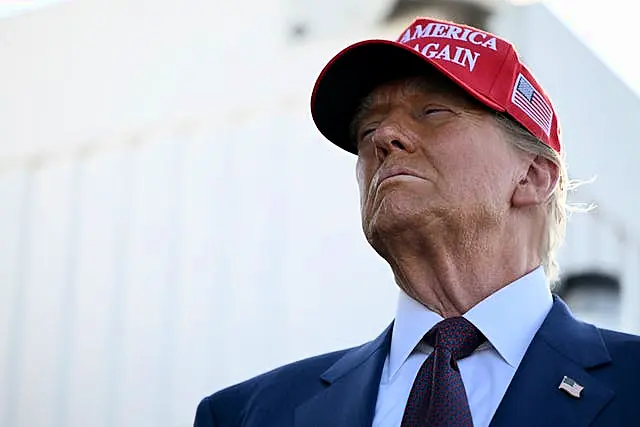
{"x": 438, "y": 397}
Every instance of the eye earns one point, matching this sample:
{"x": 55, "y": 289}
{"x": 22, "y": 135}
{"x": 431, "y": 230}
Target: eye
{"x": 428, "y": 111}
{"x": 366, "y": 132}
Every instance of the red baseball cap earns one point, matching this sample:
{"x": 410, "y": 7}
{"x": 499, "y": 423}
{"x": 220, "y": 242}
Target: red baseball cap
{"x": 483, "y": 64}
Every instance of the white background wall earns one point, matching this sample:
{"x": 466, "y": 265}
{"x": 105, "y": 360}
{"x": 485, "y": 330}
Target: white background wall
{"x": 172, "y": 222}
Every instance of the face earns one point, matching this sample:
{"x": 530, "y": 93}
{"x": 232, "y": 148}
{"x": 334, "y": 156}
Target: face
{"x": 429, "y": 156}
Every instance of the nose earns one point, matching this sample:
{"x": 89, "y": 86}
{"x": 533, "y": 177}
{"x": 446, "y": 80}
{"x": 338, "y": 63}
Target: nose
{"x": 391, "y": 137}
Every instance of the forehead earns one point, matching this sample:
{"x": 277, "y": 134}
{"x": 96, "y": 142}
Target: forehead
{"x": 414, "y": 89}
{"x": 419, "y": 87}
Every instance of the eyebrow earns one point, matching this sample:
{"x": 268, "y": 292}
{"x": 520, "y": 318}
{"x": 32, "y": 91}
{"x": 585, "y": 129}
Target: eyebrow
{"x": 364, "y": 108}
{"x": 417, "y": 83}
{"x": 424, "y": 84}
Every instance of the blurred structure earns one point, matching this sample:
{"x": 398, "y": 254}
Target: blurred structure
{"x": 471, "y": 12}
{"x": 172, "y": 222}
{"x": 593, "y": 296}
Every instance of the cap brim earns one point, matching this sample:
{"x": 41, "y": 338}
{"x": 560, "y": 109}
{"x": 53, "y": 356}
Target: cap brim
{"x": 354, "y": 72}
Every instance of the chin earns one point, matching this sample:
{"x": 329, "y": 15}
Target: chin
{"x": 394, "y": 211}
{"x": 381, "y": 234}
{"x": 386, "y": 222}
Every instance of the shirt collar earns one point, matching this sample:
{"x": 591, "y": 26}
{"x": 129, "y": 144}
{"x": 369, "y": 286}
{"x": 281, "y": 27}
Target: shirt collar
{"x": 524, "y": 303}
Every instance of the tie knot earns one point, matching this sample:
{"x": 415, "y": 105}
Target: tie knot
{"x": 456, "y": 335}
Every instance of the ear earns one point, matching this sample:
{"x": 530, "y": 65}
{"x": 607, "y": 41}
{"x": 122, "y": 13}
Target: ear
{"x": 537, "y": 184}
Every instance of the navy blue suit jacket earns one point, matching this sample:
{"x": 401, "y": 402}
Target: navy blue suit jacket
{"x": 340, "y": 389}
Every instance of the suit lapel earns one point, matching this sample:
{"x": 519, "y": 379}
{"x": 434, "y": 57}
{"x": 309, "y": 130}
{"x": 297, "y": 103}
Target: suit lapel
{"x": 351, "y": 389}
{"x": 562, "y": 347}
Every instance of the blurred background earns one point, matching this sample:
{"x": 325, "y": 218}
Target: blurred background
{"x": 172, "y": 222}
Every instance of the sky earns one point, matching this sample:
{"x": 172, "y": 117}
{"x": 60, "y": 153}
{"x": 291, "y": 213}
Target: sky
{"x": 606, "y": 26}
{"x": 14, "y": 7}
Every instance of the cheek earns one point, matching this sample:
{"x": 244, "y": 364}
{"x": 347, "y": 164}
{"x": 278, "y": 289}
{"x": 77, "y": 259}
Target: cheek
{"x": 364, "y": 175}
{"x": 461, "y": 177}
{"x": 486, "y": 180}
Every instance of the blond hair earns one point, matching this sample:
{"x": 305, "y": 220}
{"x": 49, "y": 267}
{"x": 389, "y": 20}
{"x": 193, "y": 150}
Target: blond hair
{"x": 558, "y": 208}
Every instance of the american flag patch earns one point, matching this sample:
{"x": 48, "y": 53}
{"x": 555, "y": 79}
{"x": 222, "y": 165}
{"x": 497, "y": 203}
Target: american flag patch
{"x": 571, "y": 387}
{"x": 532, "y": 103}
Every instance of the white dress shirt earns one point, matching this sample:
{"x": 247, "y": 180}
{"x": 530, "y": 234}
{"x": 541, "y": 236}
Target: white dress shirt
{"x": 509, "y": 319}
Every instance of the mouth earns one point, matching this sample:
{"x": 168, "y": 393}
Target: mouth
{"x": 396, "y": 172}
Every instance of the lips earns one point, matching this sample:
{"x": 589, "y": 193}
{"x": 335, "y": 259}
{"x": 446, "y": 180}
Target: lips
{"x": 396, "y": 171}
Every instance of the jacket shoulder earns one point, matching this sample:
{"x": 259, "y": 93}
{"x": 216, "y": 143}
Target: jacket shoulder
{"x": 273, "y": 391}
{"x": 622, "y": 376}
{"x": 621, "y": 345}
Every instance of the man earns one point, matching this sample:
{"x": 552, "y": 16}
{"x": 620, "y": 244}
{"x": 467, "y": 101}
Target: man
{"x": 463, "y": 191}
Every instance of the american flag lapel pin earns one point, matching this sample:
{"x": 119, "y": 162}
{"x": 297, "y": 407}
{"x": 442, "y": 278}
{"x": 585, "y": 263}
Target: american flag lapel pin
{"x": 571, "y": 387}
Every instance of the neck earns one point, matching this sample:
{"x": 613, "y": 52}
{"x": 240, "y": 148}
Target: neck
{"x": 450, "y": 276}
